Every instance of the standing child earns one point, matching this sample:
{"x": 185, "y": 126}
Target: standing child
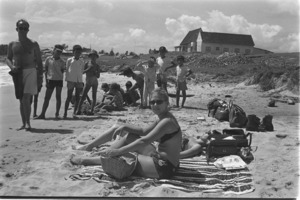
{"x": 149, "y": 80}
{"x": 74, "y": 70}
{"x": 182, "y": 73}
{"x": 92, "y": 70}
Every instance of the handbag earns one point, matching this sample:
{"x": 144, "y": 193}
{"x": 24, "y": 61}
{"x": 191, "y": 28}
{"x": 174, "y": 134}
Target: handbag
{"x": 222, "y": 113}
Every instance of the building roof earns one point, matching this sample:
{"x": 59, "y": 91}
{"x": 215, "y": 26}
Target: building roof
{"x": 192, "y": 36}
{"x": 227, "y": 38}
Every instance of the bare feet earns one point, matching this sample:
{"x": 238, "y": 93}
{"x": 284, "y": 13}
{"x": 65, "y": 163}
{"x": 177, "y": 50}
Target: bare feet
{"x": 75, "y": 160}
{"x": 21, "y": 128}
{"x": 28, "y": 127}
{"x": 40, "y": 117}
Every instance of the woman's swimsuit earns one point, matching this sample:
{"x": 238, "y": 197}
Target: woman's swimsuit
{"x": 164, "y": 168}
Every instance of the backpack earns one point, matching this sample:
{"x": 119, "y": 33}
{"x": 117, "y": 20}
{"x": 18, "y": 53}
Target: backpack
{"x": 222, "y": 113}
{"x": 237, "y": 116}
{"x": 228, "y": 143}
{"x": 212, "y": 106}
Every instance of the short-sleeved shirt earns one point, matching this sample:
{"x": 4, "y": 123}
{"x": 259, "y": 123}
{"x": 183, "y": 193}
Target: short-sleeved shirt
{"x": 54, "y": 68}
{"x": 181, "y": 73}
{"x": 150, "y": 73}
{"x": 74, "y": 70}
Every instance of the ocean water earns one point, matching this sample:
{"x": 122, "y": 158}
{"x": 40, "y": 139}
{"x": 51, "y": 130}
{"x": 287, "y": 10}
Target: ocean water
{"x": 5, "y": 78}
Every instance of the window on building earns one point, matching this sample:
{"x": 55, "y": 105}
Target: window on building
{"x": 237, "y": 50}
{"x": 247, "y": 51}
{"x": 226, "y": 50}
{"x": 207, "y": 49}
{"x": 217, "y": 48}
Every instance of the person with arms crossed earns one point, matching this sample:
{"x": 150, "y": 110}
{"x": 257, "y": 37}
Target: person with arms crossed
{"x": 74, "y": 71}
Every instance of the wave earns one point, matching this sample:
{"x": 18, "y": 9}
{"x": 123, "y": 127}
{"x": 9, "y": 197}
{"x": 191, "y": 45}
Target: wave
{"x": 5, "y": 78}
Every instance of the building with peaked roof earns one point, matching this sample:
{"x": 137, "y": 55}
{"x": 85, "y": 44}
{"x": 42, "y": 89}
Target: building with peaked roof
{"x": 216, "y": 43}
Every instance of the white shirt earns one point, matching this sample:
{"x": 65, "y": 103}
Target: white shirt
{"x": 74, "y": 70}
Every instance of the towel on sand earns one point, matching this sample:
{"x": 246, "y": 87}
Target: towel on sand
{"x": 192, "y": 175}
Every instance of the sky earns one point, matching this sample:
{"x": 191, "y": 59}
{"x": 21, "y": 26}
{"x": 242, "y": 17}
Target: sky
{"x": 140, "y": 25}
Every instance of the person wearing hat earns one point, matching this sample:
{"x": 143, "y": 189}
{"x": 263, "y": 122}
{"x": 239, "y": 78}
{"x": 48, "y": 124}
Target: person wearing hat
{"x": 92, "y": 70}
{"x": 25, "y": 61}
{"x": 54, "y": 69}
{"x": 74, "y": 72}
{"x": 161, "y": 73}
{"x": 138, "y": 76}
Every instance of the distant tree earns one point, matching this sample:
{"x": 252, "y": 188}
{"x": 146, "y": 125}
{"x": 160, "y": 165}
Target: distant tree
{"x": 102, "y": 52}
{"x": 117, "y": 53}
{"x": 111, "y": 53}
{"x": 126, "y": 53}
{"x": 150, "y": 51}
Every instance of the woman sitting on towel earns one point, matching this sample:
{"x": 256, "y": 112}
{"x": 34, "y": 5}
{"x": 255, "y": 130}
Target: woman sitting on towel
{"x": 160, "y": 162}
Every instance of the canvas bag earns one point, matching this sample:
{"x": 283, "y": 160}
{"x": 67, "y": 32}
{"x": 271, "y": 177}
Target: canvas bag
{"x": 237, "y": 116}
{"x": 228, "y": 143}
{"x": 119, "y": 167}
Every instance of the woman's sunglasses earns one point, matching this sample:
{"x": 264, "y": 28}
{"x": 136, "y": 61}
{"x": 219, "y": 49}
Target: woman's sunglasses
{"x": 157, "y": 102}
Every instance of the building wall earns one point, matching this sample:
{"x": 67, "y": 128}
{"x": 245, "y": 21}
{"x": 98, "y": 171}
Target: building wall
{"x": 214, "y": 48}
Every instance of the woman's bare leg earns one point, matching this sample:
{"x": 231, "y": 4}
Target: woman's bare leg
{"x": 103, "y": 138}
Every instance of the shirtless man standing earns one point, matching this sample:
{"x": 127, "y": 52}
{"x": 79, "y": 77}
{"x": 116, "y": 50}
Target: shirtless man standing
{"x": 24, "y": 55}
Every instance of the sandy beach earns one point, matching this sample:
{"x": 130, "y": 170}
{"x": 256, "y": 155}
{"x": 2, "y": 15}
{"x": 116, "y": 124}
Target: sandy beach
{"x": 37, "y": 163}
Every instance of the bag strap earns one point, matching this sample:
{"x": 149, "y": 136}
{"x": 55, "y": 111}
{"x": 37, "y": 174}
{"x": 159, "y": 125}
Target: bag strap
{"x": 250, "y": 138}
{"x": 230, "y": 104}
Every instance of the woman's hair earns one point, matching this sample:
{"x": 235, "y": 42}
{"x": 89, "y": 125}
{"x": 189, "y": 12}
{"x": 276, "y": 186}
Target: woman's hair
{"x": 162, "y": 93}
{"x": 115, "y": 86}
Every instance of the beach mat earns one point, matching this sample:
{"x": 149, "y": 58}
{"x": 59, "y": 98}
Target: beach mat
{"x": 173, "y": 95}
{"x": 192, "y": 176}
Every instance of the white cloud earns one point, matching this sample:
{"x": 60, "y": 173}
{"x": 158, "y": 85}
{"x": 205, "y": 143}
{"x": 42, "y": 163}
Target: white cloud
{"x": 264, "y": 35}
{"x": 136, "y": 32}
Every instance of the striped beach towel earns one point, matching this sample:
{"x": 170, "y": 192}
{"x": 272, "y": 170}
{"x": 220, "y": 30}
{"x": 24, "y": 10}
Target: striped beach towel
{"x": 192, "y": 175}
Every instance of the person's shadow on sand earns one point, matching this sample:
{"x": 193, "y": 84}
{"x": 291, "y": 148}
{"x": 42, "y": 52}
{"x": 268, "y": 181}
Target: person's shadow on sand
{"x": 60, "y": 131}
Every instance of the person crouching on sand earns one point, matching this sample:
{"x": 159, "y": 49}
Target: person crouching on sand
{"x": 159, "y": 162}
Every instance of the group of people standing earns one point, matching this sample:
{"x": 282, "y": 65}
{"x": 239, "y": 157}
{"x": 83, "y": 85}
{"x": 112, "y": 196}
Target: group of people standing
{"x": 157, "y": 161}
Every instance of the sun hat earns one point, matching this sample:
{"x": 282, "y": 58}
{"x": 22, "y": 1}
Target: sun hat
{"x": 58, "y": 47}
{"x": 93, "y": 52}
{"x": 119, "y": 167}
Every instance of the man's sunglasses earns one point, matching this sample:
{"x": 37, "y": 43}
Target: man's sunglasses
{"x": 157, "y": 102}
{"x": 23, "y": 28}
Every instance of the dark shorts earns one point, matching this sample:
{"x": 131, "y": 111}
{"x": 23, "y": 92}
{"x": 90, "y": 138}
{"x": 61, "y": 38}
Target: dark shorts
{"x": 54, "y": 83}
{"x": 71, "y": 85}
{"x": 164, "y": 168}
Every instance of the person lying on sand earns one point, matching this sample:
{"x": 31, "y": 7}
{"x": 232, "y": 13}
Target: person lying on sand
{"x": 153, "y": 163}
{"x": 191, "y": 146}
